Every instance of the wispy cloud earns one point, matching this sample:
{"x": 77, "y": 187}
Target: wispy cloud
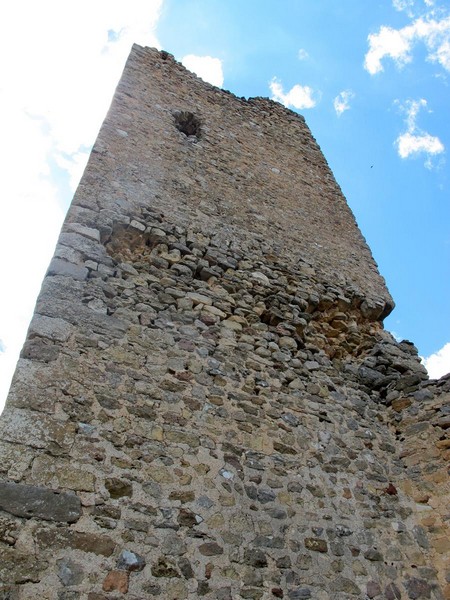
{"x": 415, "y": 141}
{"x": 206, "y": 67}
{"x": 397, "y": 44}
{"x": 303, "y": 54}
{"x": 404, "y": 5}
{"x": 298, "y": 96}
{"x": 412, "y": 7}
{"x": 342, "y": 101}
{"x": 438, "y": 364}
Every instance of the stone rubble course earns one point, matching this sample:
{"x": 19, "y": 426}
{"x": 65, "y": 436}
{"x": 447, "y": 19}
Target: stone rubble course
{"x": 206, "y": 404}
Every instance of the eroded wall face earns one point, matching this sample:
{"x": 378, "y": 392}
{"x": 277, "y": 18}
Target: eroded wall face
{"x": 207, "y": 404}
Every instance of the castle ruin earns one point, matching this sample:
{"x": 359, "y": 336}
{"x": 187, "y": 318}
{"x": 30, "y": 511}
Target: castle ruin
{"x": 207, "y": 404}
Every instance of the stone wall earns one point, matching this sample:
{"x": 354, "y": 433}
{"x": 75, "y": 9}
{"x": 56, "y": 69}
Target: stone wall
{"x": 207, "y": 404}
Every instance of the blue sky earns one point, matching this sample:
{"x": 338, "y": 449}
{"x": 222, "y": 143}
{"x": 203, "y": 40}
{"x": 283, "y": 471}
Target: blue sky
{"x": 371, "y": 78}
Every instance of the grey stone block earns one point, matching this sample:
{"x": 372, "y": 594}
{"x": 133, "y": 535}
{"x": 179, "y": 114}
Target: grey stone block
{"x": 38, "y": 502}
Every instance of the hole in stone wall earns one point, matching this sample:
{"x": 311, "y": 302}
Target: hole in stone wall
{"x": 187, "y": 123}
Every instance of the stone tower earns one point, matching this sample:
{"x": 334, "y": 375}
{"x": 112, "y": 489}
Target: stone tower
{"x": 207, "y": 405}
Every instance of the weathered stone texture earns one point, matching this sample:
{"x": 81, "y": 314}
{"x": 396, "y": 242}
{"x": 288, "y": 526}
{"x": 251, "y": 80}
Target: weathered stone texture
{"x": 207, "y": 404}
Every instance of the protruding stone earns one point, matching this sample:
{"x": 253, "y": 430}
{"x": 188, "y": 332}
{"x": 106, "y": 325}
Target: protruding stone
{"x": 373, "y": 589}
{"x": 210, "y": 549}
{"x": 116, "y": 581}
{"x": 316, "y": 544}
{"x": 70, "y": 572}
{"x": 255, "y": 558}
{"x": 51, "y": 328}
{"x": 67, "y": 269}
{"x": 260, "y": 278}
{"x": 342, "y": 584}
{"x": 129, "y": 561}
{"x": 185, "y": 568}
{"x": 118, "y": 488}
{"x": 199, "y": 298}
{"x": 417, "y": 588}
{"x": 392, "y": 592}
{"x": 37, "y": 430}
{"x": 37, "y": 502}
{"x": 59, "y": 538}
{"x": 373, "y": 555}
{"x": 16, "y": 567}
{"x": 164, "y": 568}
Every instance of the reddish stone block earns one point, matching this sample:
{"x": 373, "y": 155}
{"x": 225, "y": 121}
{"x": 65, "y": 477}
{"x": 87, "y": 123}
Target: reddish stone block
{"x": 116, "y": 581}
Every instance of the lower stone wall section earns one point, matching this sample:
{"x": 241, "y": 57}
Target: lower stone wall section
{"x": 187, "y": 421}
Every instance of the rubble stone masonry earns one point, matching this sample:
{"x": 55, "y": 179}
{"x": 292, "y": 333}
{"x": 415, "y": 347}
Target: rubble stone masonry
{"x": 207, "y": 405}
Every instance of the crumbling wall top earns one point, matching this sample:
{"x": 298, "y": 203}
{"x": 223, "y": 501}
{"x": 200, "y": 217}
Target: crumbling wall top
{"x": 247, "y": 168}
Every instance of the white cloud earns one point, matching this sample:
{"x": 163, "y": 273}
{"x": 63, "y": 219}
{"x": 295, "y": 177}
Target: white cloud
{"x": 54, "y": 75}
{"x": 409, "y": 144}
{"x": 303, "y": 54}
{"x": 298, "y": 96}
{"x": 412, "y": 108}
{"x": 414, "y": 141}
{"x": 438, "y": 364}
{"x": 63, "y": 63}
{"x": 342, "y": 101}
{"x": 442, "y": 54}
{"x": 398, "y": 43}
{"x": 206, "y": 67}
{"x": 74, "y": 164}
{"x": 388, "y": 42}
{"x": 402, "y": 5}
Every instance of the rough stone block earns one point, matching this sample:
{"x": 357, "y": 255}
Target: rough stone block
{"x": 59, "y": 538}
{"x": 37, "y": 430}
{"x": 67, "y": 269}
{"x": 47, "y": 469}
{"x": 52, "y": 328}
{"x": 18, "y": 567}
{"x": 40, "y": 503}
